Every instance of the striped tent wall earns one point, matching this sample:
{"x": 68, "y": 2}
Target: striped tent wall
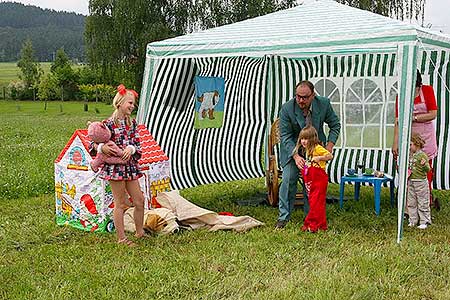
{"x": 348, "y": 158}
{"x": 235, "y": 151}
{"x": 436, "y": 64}
{"x": 167, "y": 106}
{"x": 290, "y": 71}
{"x": 204, "y": 156}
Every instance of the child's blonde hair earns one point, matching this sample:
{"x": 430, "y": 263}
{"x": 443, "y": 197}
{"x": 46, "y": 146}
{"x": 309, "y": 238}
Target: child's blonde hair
{"x": 417, "y": 140}
{"x": 121, "y": 96}
{"x": 308, "y": 133}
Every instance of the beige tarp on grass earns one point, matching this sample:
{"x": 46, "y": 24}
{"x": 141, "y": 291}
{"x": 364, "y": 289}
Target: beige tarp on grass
{"x": 175, "y": 207}
{"x": 196, "y": 217}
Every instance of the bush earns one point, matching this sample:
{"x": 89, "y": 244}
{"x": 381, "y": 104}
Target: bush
{"x": 48, "y": 88}
{"x": 87, "y": 75}
{"x": 101, "y": 92}
{"x": 18, "y": 91}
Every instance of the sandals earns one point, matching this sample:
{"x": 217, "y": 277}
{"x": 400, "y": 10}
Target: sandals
{"x": 126, "y": 242}
{"x": 139, "y": 236}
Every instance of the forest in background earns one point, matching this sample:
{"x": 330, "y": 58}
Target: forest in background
{"x": 48, "y": 31}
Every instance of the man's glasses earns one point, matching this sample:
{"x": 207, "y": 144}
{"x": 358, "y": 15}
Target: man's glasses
{"x": 300, "y": 97}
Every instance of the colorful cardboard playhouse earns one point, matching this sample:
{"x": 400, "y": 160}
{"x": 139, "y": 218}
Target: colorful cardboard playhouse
{"x": 85, "y": 201}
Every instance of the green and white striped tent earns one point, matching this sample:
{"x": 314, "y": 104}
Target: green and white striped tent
{"x": 358, "y": 59}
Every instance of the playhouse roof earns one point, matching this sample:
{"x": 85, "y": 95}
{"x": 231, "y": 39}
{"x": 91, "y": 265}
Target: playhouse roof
{"x": 311, "y": 28}
{"x": 151, "y": 151}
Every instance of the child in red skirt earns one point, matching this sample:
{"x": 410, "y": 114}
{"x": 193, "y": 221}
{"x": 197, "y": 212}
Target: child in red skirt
{"x": 315, "y": 178}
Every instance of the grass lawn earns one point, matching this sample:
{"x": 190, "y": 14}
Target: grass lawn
{"x": 31, "y": 139}
{"x": 357, "y": 258}
{"x": 9, "y": 72}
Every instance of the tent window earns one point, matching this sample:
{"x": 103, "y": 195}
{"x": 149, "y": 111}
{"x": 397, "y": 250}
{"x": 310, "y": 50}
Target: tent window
{"x": 366, "y": 107}
{"x": 328, "y": 88}
{"x": 392, "y": 88}
{"x": 363, "y": 104}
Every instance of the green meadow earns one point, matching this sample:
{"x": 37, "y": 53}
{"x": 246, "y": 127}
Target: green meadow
{"x": 357, "y": 258}
{"x": 10, "y": 72}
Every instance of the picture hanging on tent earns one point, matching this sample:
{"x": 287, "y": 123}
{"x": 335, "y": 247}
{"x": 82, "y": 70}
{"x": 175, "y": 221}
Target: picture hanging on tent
{"x": 209, "y": 102}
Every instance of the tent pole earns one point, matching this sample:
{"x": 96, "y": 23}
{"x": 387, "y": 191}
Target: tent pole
{"x": 142, "y": 116}
{"x": 268, "y": 99}
{"x": 407, "y": 65}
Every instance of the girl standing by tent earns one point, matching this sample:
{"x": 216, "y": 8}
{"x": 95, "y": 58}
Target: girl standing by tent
{"x": 123, "y": 178}
{"x": 315, "y": 178}
{"x": 418, "y": 191}
{"x": 424, "y": 114}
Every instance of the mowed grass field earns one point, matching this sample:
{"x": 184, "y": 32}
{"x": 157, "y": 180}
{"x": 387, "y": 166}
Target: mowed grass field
{"x": 357, "y": 258}
{"x": 10, "y": 72}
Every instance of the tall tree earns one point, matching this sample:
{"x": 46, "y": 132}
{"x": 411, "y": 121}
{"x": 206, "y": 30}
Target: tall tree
{"x": 117, "y": 31}
{"x": 29, "y": 68}
{"x": 66, "y": 77}
{"x": 61, "y": 61}
{"x": 212, "y": 13}
{"x": 399, "y": 9}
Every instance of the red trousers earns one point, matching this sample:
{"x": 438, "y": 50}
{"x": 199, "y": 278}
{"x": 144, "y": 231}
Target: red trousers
{"x": 316, "y": 182}
{"x": 430, "y": 180}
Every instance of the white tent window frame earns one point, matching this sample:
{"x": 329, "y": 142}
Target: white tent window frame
{"x": 355, "y": 133}
{"x": 331, "y": 87}
{"x": 363, "y": 113}
{"x": 391, "y": 85}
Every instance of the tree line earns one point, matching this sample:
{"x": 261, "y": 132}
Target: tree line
{"x": 117, "y": 31}
{"x": 63, "y": 82}
{"x": 47, "y": 29}
{"x": 398, "y": 9}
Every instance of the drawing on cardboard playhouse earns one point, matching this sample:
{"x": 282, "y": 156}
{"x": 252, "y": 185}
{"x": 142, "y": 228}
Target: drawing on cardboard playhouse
{"x": 85, "y": 201}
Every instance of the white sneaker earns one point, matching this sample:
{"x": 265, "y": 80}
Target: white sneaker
{"x": 422, "y": 226}
{"x": 411, "y": 225}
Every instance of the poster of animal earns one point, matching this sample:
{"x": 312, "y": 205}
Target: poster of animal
{"x": 209, "y": 102}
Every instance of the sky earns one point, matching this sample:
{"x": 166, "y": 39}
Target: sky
{"x": 78, "y": 6}
{"x": 437, "y": 14}
{"x": 436, "y": 11}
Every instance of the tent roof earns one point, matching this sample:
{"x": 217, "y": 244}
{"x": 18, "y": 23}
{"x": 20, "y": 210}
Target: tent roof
{"x": 316, "y": 26}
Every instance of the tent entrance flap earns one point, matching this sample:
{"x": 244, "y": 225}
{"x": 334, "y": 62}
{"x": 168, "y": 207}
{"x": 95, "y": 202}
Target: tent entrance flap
{"x": 407, "y": 60}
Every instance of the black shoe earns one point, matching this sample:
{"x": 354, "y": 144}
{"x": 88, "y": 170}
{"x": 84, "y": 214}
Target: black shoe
{"x": 281, "y": 224}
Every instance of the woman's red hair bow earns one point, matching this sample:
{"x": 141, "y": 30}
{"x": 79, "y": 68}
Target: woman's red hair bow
{"x": 122, "y": 90}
